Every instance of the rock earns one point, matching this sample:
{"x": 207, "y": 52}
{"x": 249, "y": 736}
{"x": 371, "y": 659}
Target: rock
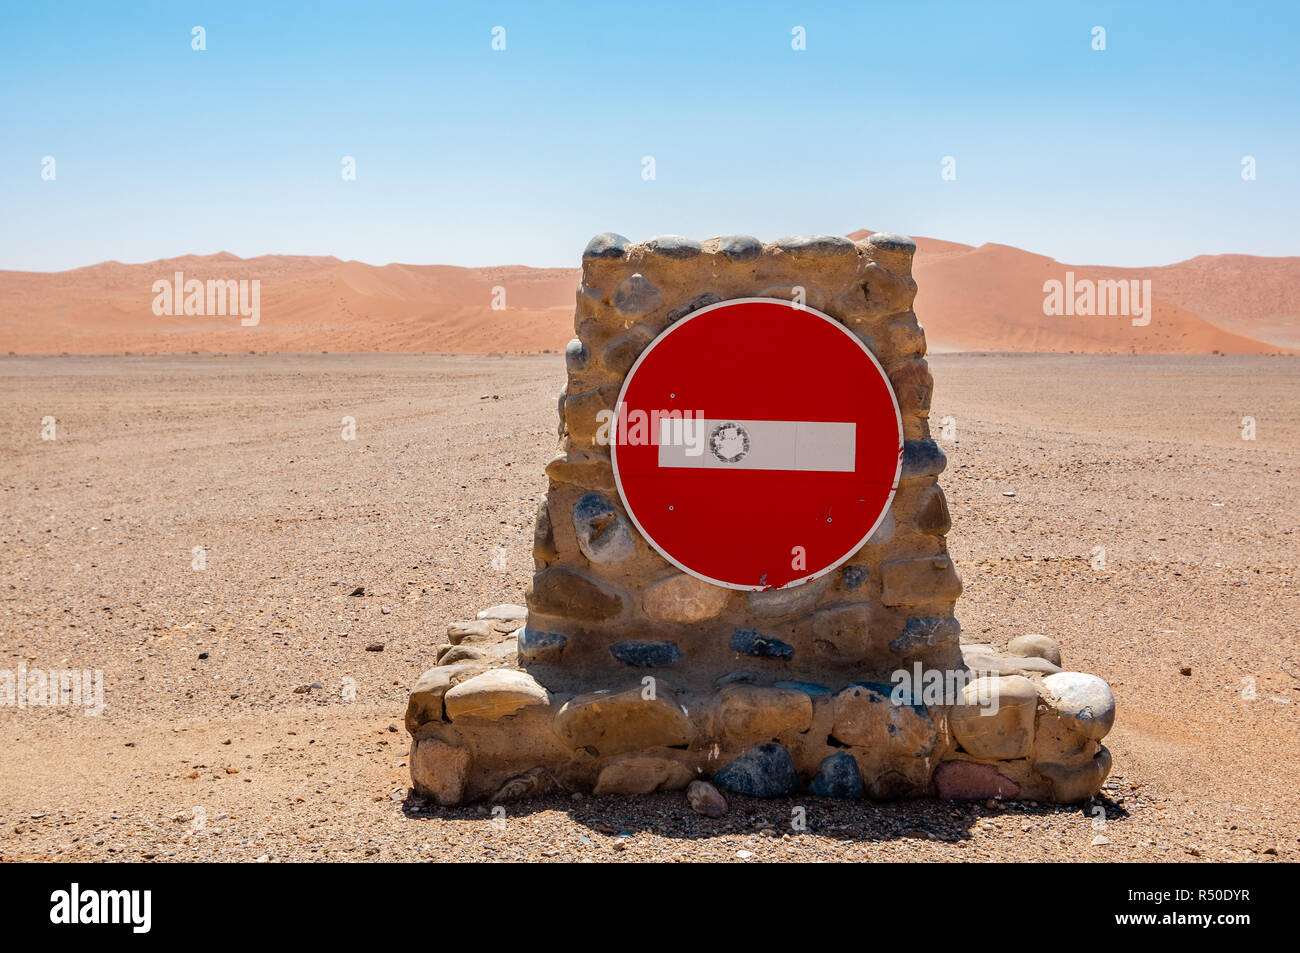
{"x": 749, "y": 642}
{"x": 695, "y": 304}
{"x": 968, "y": 781}
{"x": 621, "y": 353}
{"x": 817, "y": 246}
{"x": 637, "y": 774}
{"x": 775, "y": 603}
{"x": 583, "y": 418}
{"x": 606, "y": 245}
{"x": 1076, "y": 781}
{"x": 994, "y": 719}
{"x": 740, "y": 247}
{"x": 636, "y": 297}
{"x": 808, "y": 688}
{"x": 544, "y": 551}
{"x": 991, "y": 663}
{"x": 891, "y": 242}
{"x": 646, "y": 654}
{"x": 764, "y": 771}
{"x": 913, "y": 384}
{"x": 1035, "y": 646}
{"x": 374, "y": 646}
{"x": 888, "y": 291}
{"x": 705, "y": 799}
{"x": 919, "y": 581}
{"x": 576, "y": 356}
{"x": 563, "y": 592}
{"x": 580, "y": 468}
{"x": 865, "y": 714}
{"x": 841, "y": 633}
{"x": 932, "y": 516}
{"x": 535, "y": 782}
{"x": 673, "y": 246}
{"x": 762, "y": 712}
{"x": 460, "y": 654}
{"x": 884, "y": 531}
{"x": 439, "y": 771}
{"x": 603, "y": 532}
{"x": 478, "y": 631}
{"x": 1083, "y": 702}
{"x": 1101, "y": 840}
{"x": 505, "y": 611}
{"x": 852, "y": 577}
{"x": 838, "y": 777}
{"x": 613, "y": 723}
{"x": 494, "y": 694}
{"x": 925, "y": 632}
{"x": 922, "y": 458}
{"x": 683, "y": 599}
{"x": 537, "y": 646}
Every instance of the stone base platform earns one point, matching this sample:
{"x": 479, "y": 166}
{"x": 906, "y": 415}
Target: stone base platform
{"x": 1008, "y": 724}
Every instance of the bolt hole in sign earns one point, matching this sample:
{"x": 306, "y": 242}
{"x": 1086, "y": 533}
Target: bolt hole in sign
{"x": 757, "y": 444}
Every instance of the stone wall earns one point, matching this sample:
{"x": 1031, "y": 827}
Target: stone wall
{"x": 604, "y": 601}
{"x": 630, "y": 675}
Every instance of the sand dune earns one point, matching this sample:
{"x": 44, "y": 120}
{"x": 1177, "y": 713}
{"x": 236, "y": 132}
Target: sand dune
{"x": 985, "y": 298}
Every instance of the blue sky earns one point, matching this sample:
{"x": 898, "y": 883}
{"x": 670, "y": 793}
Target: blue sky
{"x": 469, "y": 156}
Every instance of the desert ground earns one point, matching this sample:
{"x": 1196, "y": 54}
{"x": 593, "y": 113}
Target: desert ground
{"x": 254, "y": 707}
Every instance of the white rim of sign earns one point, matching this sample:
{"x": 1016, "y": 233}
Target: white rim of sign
{"x": 613, "y": 443}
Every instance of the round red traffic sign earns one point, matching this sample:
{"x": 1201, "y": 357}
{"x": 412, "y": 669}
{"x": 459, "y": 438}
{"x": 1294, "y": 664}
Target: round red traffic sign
{"x": 757, "y": 444}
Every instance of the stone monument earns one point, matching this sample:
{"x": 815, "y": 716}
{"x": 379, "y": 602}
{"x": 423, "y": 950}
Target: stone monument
{"x": 627, "y": 673}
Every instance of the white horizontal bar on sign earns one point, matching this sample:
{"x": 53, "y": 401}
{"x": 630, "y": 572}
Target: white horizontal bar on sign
{"x": 720, "y": 444}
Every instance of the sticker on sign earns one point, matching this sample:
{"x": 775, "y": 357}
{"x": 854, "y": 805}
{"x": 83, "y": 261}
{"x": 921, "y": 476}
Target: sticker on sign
{"x": 778, "y": 447}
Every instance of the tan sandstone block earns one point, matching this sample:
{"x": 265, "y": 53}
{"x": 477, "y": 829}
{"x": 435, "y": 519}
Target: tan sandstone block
{"x": 683, "y": 598}
{"x": 909, "y": 582}
{"x": 642, "y": 775}
{"x": 439, "y": 770}
{"x": 762, "y": 712}
{"x": 494, "y": 694}
{"x": 995, "y": 718}
{"x": 619, "y": 722}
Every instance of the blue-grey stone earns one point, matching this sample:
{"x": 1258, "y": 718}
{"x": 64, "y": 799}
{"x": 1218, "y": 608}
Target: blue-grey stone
{"x": 922, "y": 458}
{"x": 854, "y": 576}
{"x": 576, "y": 356}
{"x": 749, "y": 642}
{"x": 808, "y": 688}
{"x": 636, "y": 297}
{"x": 701, "y": 301}
{"x": 646, "y": 654}
{"x": 740, "y": 247}
{"x": 603, "y": 533}
{"x": 838, "y": 777}
{"x": 535, "y": 646}
{"x": 926, "y": 632}
{"x": 818, "y": 246}
{"x": 891, "y": 241}
{"x": 764, "y": 771}
{"x": 733, "y": 677}
{"x": 673, "y": 246}
{"x": 606, "y": 245}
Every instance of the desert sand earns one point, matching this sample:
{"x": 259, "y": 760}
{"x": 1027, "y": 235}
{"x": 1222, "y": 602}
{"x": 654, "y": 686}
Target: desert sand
{"x": 254, "y": 707}
{"x": 986, "y": 298}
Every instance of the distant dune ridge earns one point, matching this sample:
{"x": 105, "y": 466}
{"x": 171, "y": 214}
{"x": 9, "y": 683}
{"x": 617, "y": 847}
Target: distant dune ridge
{"x": 986, "y": 298}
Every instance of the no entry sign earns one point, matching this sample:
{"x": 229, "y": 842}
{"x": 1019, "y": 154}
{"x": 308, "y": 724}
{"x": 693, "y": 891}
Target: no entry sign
{"x": 757, "y": 444}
